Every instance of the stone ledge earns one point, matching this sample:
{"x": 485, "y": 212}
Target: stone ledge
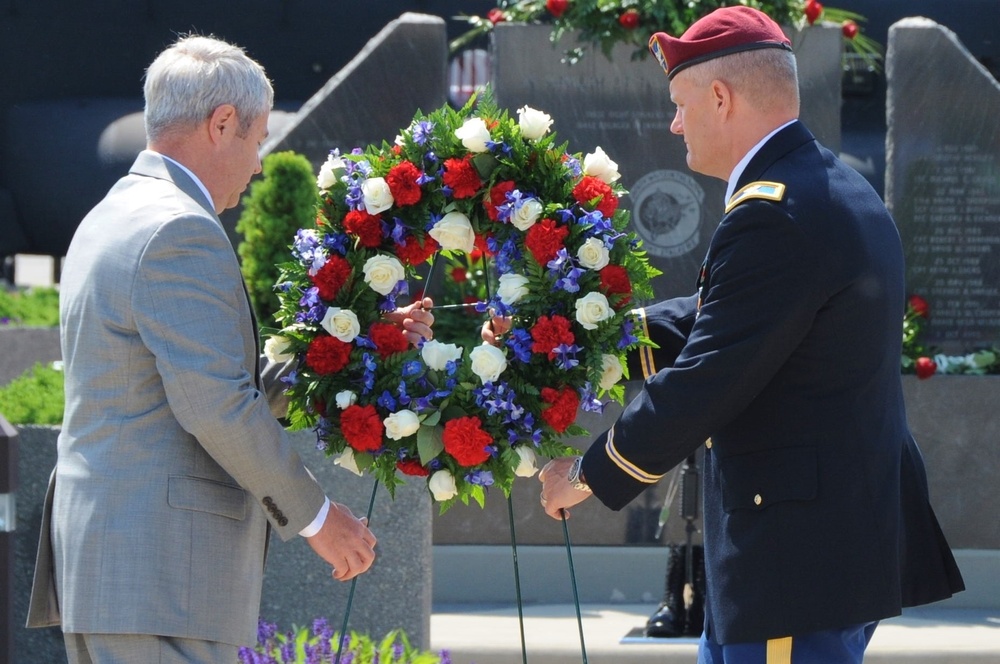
{"x": 621, "y": 575}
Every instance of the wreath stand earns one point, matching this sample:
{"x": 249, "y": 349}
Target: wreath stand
{"x": 343, "y": 638}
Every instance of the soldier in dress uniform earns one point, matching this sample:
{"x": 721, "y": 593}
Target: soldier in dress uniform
{"x": 785, "y": 366}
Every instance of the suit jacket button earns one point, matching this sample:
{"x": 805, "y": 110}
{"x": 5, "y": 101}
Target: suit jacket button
{"x": 708, "y": 443}
{"x": 267, "y": 501}
{"x": 282, "y": 521}
{"x": 757, "y": 500}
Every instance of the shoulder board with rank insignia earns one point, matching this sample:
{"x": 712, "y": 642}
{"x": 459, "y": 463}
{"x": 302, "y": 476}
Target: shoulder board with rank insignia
{"x": 768, "y": 191}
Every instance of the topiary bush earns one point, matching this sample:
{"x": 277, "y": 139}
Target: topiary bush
{"x": 31, "y": 307}
{"x": 34, "y": 397}
{"x": 279, "y": 204}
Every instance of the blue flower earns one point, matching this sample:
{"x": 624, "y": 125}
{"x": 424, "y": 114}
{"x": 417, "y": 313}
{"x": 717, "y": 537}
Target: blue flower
{"x": 480, "y": 477}
{"x": 387, "y": 402}
{"x": 519, "y": 340}
{"x": 423, "y": 131}
{"x": 566, "y": 356}
{"x": 627, "y": 338}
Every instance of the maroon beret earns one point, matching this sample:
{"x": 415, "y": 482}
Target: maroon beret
{"x": 725, "y": 31}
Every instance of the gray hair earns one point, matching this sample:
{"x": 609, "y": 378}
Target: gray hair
{"x": 196, "y": 75}
{"x": 766, "y": 77}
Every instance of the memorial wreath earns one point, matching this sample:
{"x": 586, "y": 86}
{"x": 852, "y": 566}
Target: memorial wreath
{"x": 566, "y": 272}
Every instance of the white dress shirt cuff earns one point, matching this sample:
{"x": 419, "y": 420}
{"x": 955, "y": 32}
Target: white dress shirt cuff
{"x": 317, "y": 523}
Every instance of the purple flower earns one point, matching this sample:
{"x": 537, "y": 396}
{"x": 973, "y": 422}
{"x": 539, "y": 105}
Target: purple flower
{"x": 423, "y": 132}
{"x": 480, "y": 477}
{"x": 566, "y": 356}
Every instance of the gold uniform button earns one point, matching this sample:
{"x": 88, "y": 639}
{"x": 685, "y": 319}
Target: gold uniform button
{"x": 757, "y": 500}
{"x": 708, "y": 443}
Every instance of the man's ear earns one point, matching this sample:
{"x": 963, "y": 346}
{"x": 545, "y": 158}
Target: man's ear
{"x": 722, "y": 98}
{"x": 222, "y": 123}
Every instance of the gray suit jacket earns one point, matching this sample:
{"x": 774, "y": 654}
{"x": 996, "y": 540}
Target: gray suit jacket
{"x": 170, "y": 463}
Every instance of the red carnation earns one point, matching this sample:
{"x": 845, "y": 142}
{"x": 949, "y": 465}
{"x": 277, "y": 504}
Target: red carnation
{"x": 545, "y": 239}
{"x": 465, "y": 440}
{"x": 920, "y": 306}
{"x": 461, "y": 176}
{"x": 813, "y": 10}
{"x": 498, "y": 196}
{"x": 615, "y": 281}
{"x": 495, "y": 15}
{"x": 459, "y": 275}
{"x": 557, "y": 7}
{"x": 362, "y": 427}
{"x": 388, "y": 339}
{"x": 482, "y": 248}
{"x": 925, "y": 367}
{"x": 327, "y": 355}
{"x": 367, "y": 227}
{"x": 850, "y": 29}
{"x": 629, "y": 19}
{"x": 402, "y": 181}
{"x": 412, "y": 467}
{"x": 330, "y": 278}
{"x": 562, "y": 412}
{"x": 412, "y": 253}
{"x": 591, "y": 188}
{"x": 548, "y": 333}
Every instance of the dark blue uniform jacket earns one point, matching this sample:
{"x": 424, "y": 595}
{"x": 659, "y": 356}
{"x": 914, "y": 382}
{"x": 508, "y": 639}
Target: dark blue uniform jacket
{"x": 816, "y": 510}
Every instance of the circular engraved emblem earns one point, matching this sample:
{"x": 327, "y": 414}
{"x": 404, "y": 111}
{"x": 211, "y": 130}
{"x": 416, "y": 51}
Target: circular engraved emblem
{"x": 666, "y": 212}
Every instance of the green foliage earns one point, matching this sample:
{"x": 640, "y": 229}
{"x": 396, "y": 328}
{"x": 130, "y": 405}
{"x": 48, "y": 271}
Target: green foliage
{"x": 35, "y": 397}
{"x": 280, "y": 203}
{"x": 602, "y": 24}
{"x": 32, "y": 307}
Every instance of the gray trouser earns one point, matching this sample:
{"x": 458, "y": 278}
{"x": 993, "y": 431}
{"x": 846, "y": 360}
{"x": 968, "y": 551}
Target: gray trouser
{"x": 145, "y": 649}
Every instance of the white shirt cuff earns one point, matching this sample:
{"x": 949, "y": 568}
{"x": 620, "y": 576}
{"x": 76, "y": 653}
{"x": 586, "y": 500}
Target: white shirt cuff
{"x": 317, "y": 523}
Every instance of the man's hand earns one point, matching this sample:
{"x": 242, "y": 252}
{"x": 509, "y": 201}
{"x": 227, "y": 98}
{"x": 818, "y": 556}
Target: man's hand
{"x": 558, "y": 495}
{"x": 345, "y": 542}
{"x": 415, "y": 319}
{"x": 494, "y": 328}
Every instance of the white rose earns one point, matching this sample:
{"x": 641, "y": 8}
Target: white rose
{"x": 526, "y": 466}
{"x": 347, "y": 461}
{"x": 330, "y": 172}
{"x": 488, "y": 362}
{"x": 454, "y": 232}
{"x": 377, "y": 195}
{"x": 512, "y": 287}
{"x": 593, "y": 255}
{"x": 401, "y": 424}
{"x": 534, "y": 123}
{"x": 436, "y": 354}
{"x": 346, "y": 399}
{"x": 382, "y": 273}
{"x": 526, "y": 214}
{"x": 276, "y": 349}
{"x": 591, "y": 309}
{"x": 341, "y": 323}
{"x": 442, "y": 485}
{"x": 611, "y": 371}
{"x": 599, "y": 165}
{"x": 474, "y": 134}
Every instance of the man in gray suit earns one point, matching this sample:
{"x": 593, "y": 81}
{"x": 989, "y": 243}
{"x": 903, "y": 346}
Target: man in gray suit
{"x": 171, "y": 464}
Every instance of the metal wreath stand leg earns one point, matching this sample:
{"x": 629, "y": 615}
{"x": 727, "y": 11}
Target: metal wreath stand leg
{"x": 517, "y": 582}
{"x": 342, "y": 637}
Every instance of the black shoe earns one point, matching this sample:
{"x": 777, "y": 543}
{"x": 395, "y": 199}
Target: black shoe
{"x": 664, "y": 624}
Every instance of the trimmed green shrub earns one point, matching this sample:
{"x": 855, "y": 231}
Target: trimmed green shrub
{"x": 32, "y": 307}
{"x": 277, "y": 206}
{"x": 34, "y": 397}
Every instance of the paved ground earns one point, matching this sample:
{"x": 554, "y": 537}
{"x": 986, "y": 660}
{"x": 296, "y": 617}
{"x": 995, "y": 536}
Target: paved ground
{"x": 477, "y": 635}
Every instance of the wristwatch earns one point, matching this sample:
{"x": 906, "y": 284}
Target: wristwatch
{"x": 575, "y": 478}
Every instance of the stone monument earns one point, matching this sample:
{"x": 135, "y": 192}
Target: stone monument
{"x": 943, "y": 181}
{"x": 623, "y": 106}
